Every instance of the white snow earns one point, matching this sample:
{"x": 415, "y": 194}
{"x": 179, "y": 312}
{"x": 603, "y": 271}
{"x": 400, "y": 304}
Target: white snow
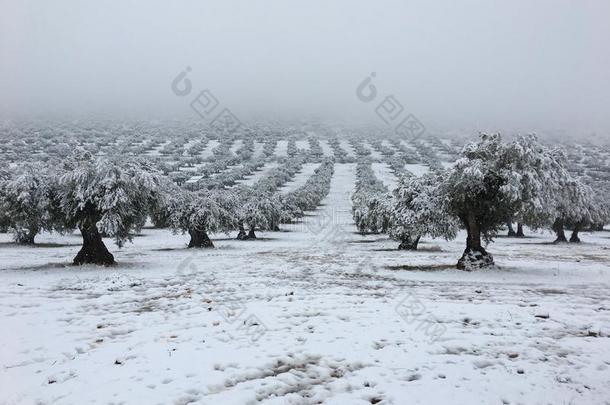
{"x": 237, "y": 144}
{"x": 417, "y": 169}
{"x": 384, "y": 173}
{"x": 257, "y": 175}
{"x": 302, "y": 144}
{"x": 207, "y": 151}
{"x": 258, "y": 149}
{"x": 344, "y": 144}
{"x": 300, "y": 178}
{"x": 281, "y": 148}
{"x": 327, "y": 150}
{"x": 375, "y": 154}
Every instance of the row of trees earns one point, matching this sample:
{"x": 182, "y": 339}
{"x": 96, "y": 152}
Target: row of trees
{"x": 114, "y": 197}
{"x": 491, "y": 181}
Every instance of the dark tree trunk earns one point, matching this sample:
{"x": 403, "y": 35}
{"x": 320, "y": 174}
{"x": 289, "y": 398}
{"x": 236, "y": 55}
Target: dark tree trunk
{"x": 93, "y": 251}
{"x": 251, "y": 234}
{"x": 474, "y": 255}
{"x": 199, "y": 239}
{"x": 558, "y": 228}
{"x": 409, "y": 244}
{"x": 242, "y": 232}
{"x": 520, "y": 233}
{"x": 574, "y": 237}
{"x": 511, "y": 231}
{"x": 27, "y": 238}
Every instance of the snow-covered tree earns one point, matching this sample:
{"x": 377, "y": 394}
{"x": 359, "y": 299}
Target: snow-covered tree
{"x": 421, "y": 208}
{"x": 372, "y": 212}
{"x": 106, "y": 196}
{"x": 258, "y": 210}
{"x": 491, "y": 182}
{"x": 201, "y": 212}
{"x": 576, "y": 209}
{"x": 371, "y": 201}
{"x": 4, "y": 217}
{"x": 26, "y": 201}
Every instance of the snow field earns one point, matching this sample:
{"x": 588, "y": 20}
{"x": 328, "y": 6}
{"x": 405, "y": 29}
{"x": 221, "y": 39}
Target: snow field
{"x": 326, "y": 148}
{"x": 417, "y": 169}
{"x": 281, "y": 149}
{"x": 257, "y": 175}
{"x": 300, "y": 178}
{"x": 384, "y": 173}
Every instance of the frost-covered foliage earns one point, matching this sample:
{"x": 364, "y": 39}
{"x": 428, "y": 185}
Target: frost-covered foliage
{"x": 258, "y": 210}
{"x": 113, "y": 194}
{"x": 576, "y": 208}
{"x": 309, "y": 195}
{"x": 201, "y": 212}
{"x": 27, "y": 201}
{"x": 4, "y": 217}
{"x": 371, "y": 201}
{"x": 421, "y": 208}
{"x": 105, "y": 196}
{"x": 492, "y": 181}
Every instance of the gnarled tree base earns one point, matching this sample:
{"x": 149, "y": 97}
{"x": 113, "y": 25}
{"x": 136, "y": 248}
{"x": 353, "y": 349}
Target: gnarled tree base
{"x": 574, "y": 238}
{"x": 409, "y": 244}
{"x": 93, "y": 251}
{"x": 200, "y": 240}
{"x": 520, "y": 233}
{"x": 473, "y": 259}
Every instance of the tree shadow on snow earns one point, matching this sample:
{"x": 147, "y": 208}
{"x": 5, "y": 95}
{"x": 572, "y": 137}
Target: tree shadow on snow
{"x": 37, "y": 245}
{"x": 421, "y": 249}
{"x": 437, "y": 267}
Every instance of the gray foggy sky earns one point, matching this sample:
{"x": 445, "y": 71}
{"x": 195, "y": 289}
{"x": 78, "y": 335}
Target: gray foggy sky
{"x": 517, "y": 65}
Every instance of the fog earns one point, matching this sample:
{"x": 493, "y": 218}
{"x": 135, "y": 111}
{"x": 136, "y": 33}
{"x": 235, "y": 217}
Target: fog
{"x": 476, "y": 65}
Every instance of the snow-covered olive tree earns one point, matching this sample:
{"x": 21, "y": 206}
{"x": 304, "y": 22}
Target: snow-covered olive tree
{"x": 421, "y": 208}
{"x": 372, "y": 212}
{"x": 491, "y": 182}
{"x": 27, "y": 198}
{"x": 258, "y": 210}
{"x": 109, "y": 196}
{"x": 201, "y": 212}
{"x": 575, "y": 209}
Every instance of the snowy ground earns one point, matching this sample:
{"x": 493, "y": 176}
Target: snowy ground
{"x": 236, "y": 146}
{"x": 375, "y": 154}
{"x": 417, "y": 169}
{"x": 345, "y": 145}
{"x": 258, "y": 174}
{"x": 327, "y": 150}
{"x": 302, "y": 144}
{"x": 313, "y": 314}
{"x": 281, "y": 148}
{"x": 384, "y": 173}
{"x": 300, "y": 178}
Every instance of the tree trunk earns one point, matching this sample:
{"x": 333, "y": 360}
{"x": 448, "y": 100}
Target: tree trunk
{"x": 474, "y": 256}
{"x": 242, "y": 232}
{"x": 199, "y": 239}
{"x": 511, "y": 231}
{"x": 520, "y": 233}
{"x": 26, "y": 237}
{"x": 558, "y": 228}
{"x": 574, "y": 237}
{"x": 251, "y": 234}
{"x": 408, "y": 244}
{"x": 93, "y": 250}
